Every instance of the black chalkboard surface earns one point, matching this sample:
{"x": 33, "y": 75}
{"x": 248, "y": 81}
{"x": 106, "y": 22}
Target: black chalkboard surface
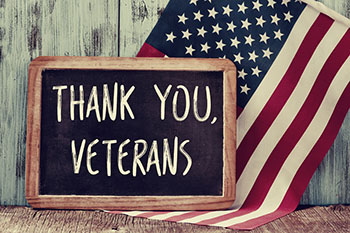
{"x": 130, "y": 133}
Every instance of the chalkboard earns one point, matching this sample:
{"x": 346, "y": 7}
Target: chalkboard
{"x": 131, "y": 133}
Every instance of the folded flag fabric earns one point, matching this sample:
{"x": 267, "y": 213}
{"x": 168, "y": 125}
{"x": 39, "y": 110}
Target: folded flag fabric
{"x": 293, "y": 93}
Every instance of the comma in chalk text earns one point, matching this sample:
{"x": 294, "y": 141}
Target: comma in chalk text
{"x": 141, "y": 147}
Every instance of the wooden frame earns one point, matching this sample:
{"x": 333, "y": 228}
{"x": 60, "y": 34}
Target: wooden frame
{"x": 129, "y": 202}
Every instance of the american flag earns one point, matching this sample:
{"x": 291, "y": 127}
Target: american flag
{"x": 293, "y": 93}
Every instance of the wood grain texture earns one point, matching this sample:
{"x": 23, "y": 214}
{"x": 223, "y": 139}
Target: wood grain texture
{"x": 22, "y": 219}
{"x": 41, "y": 27}
{"x": 137, "y": 19}
{"x": 96, "y": 27}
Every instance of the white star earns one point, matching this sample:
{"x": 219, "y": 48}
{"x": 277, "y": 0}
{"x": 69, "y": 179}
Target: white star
{"x": 257, "y": 5}
{"x": 238, "y": 58}
{"x": 285, "y": 2}
{"x": 216, "y": 29}
{"x": 252, "y": 56}
{"x": 201, "y": 31}
{"x": 212, "y": 13}
{"x": 287, "y": 16}
{"x": 242, "y": 8}
{"x": 231, "y": 26}
{"x": 194, "y": 2}
{"x": 189, "y": 50}
{"x": 245, "y": 89}
{"x": 235, "y": 42}
{"x": 271, "y": 3}
{"x": 264, "y": 38}
{"x": 245, "y": 24}
{"x": 256, "y": 71}
{"x": 205, "y": 47}
{"x": 227, "y": 10}
{"x": 299, "y": 1}
{"x": 242, "y": 74}
{"x": 170, "y": 37}
{"x": 278, "y": 34}
{"x": 260, "y": 21}
{"x": 275, "y": 19}
{"x": 267, "y": 53}
{"x": 186, "y": 34}
{"x": 249, "y": 40}
{"x": 223, "y": 57}
{"x": 182, "y": 18}
{"x": 220, "y": 45}
{"x": 197, "y": 16}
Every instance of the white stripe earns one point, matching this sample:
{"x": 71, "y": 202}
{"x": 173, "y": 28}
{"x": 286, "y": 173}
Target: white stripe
{"x": 273, "y": 76}
{"x": 168, "y": 215}
{"x": 206, "y": 216}
{"x": 288, "y": 113}
{"x": 300, "y": 151}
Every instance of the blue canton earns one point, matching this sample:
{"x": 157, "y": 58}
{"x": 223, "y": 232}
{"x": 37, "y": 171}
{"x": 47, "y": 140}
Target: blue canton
{"x": 250, "y": 33}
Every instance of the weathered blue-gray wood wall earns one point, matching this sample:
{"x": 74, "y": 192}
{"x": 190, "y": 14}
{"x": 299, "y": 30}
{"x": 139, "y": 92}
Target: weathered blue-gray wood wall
{"x": 29, "y": 28}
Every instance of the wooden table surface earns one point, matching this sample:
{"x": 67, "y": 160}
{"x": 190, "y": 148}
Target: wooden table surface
{"x": 30, "y": 28}
{"x": 24, "y": 219}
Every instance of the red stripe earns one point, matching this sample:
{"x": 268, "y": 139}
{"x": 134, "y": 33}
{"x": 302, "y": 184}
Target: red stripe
{"x": 115, "y": 211}
{"x": 299, "y": 125}
{"x": 239, "y": 111}
{"x": 282, "y": 92}
{"x": 307, "y": 169}
{"x": 149, "y": 51}
{"x": 186, "y": 215}
{"x": 151, "y": 214}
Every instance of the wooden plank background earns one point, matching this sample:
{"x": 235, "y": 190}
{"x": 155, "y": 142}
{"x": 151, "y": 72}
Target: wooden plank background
{"x": 29, "y": 28}
{"x": 15, "y": 219}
